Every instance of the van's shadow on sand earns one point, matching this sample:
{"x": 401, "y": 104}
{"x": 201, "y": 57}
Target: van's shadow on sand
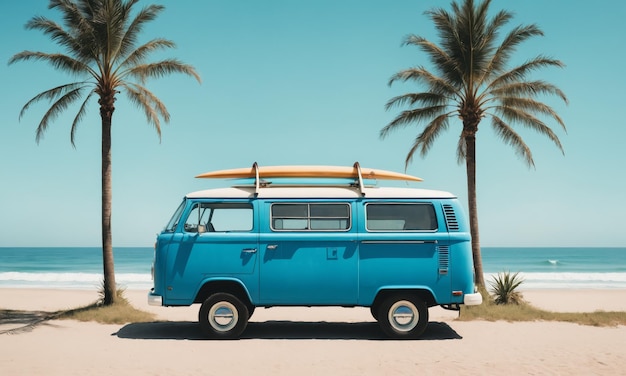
{"x": 185, "y": 330}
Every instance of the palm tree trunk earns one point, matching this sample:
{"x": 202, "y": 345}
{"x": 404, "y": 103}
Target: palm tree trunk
{"x": 107, "y": 243}
{"x": 470, "y": 161}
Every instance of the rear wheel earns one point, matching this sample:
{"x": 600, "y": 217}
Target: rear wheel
{"x": 403, "y": 316}
{"x": 223, "y": 316}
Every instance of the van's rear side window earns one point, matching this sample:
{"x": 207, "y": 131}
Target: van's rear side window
{"x": 400, "y": 217}
{"x": 310, "y": 217}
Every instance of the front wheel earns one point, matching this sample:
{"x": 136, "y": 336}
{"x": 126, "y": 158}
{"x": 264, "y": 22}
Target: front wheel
{"x": 223, "y": 316}
{"x": 403, "y": 316}
{"x": 374, "y": 312}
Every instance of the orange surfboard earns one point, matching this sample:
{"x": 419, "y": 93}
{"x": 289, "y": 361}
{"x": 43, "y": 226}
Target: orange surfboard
{"x": 307, "y": 172}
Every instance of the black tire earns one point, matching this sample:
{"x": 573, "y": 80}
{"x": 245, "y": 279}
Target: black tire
{"x": 223, "y": 316}
{"x": 374, "y": 312}
{"x": 403, "y": 316}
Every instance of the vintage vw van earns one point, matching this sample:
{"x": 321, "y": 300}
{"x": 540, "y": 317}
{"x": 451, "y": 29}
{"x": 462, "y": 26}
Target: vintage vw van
{"x": 314, "y": 236}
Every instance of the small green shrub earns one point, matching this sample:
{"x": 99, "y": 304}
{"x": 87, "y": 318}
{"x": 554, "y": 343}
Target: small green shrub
{"x": 503, "y": 287}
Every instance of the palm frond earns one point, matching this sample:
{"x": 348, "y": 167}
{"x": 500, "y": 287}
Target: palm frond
{"x": 61, "y": 104}
{"x": 532, "y": 106}
{"x": 461, "y": 150}
{"x": 509, "y": 45}
{"x": 108, "y": 23}
{"x": 76, "y": 16}
{"x": 446, "y": 25}
{"x": 469, "y": 41}
{"x": 494, "y": 25}
{"x": 145, "y": 15}
{"x": 54, "y": 30}
{"x": 51, "y": 94}
{"x": 409, "y": 156}
{"x": 162, "y": 68}
{"x": 72, "y": 12}
{"x": 441, "y": 60}
{"x": 417, "y": 116}
{"x": 425, "y": 140}
{"x": 428, "y": 99}
{"x": 431, "y": 132}
{"x": 520, "y": 72}
{"x": 528, "y": 88}
{"x": 153, "y": 108}
{"x": 528, "y": 120}
{"x": 82, "y": 111}
{"x": 58, "y": 61}
{"x": 512, "y": 138}
{"x": 140, "y": 53}
{"x": 422, "y": 75}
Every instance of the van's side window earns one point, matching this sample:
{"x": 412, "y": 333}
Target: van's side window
{"x": 401, "y": 217}
{"x": 219, "y": 217}
{"x": 310, "y": 217}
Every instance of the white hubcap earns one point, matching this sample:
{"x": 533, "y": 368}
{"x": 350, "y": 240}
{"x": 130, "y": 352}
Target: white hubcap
{"x": 223, "y": 316}
{"x": 403, "y": 316}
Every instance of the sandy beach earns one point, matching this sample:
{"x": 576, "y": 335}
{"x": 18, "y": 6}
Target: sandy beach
{"x": 311, "y": 341}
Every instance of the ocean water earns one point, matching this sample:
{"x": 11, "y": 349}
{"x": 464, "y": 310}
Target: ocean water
{"x": 81, "y": 268}
{"x": 555, "y": 268}
{"x": 73, "y": 268}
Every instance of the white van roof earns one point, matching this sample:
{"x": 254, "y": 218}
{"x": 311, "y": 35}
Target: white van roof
{"x": 319, "y": 192}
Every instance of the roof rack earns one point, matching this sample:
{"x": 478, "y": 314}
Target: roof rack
{"x": 357, "y": 166}
{"x": 258, "y": 183}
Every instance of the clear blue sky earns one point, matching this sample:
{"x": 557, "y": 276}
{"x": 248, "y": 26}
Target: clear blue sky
{"x": 305, "y": 82}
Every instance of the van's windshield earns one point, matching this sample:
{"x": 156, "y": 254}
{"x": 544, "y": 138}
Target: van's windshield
{"x": 171, "y": 225}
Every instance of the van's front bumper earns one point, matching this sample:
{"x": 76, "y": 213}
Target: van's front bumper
{"x": 154, "y": 299}
{"x": 473, "y": 299}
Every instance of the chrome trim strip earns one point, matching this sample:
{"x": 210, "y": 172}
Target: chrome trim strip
{"x": 399, "y": 242}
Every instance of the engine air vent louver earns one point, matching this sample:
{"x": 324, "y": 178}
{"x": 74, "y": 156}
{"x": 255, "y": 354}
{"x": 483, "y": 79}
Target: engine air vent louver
{"x": 451, "y": 221}
{"x": 444, "y": 259}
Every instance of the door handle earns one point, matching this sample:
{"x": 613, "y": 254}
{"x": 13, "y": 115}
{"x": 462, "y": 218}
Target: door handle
{"x": 249, "y": 250}
{"x": 272, "y": 247}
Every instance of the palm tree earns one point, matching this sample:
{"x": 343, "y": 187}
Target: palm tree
{"x": 100, "y": 38}
{"x": 471, "y": 81}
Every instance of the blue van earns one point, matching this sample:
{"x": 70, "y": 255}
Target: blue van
{"x": 279, "y": 241}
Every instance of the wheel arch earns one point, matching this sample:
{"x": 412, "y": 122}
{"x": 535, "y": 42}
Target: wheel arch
{"x": 423, "y": 293}
{"x": 230, "y": 286}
